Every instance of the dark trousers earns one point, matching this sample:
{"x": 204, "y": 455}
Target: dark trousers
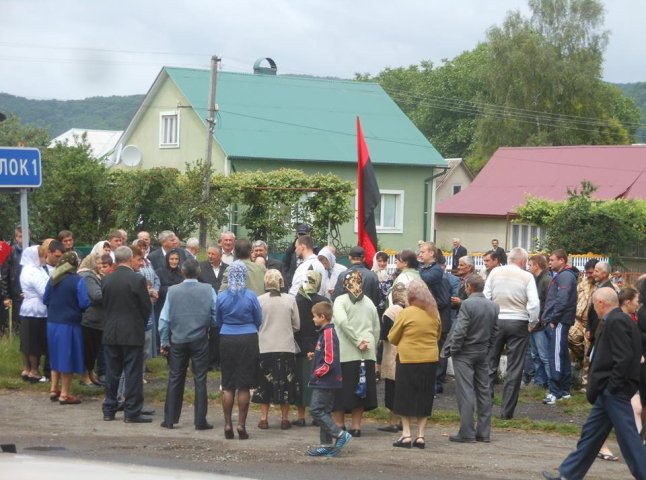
{"x": 214, "y": 348}
{"x": 321, "y": 408}
{"x": 91, "y": 346}
{"x": 443, "y": 365}
{"x": 607, "y": 412}
{"x": 560, "y": 380}
{"x": 180, "y": 353}
{"x": 472, "y": 383}
{"x": 128, "y": 359}
{"x": 515, "y": 335}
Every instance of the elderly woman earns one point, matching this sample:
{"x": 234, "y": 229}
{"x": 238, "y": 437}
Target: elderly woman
{"x": 357, "y": 326}
{"x": 277, "y": 382}
{"x": 416, "y": 333}
{"x": 306, "y": 339}
{"x": 66, "y": 297}
{"x": 389, "y": 357}
{"x": 170, "y": 274}
{"x": 239, "y": 316}
{"x": 33, "y": 312}
{"x": 92, "y": 321}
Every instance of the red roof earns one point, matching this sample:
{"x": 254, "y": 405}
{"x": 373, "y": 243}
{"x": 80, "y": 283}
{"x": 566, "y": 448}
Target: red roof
{"x": 514, "y": 172}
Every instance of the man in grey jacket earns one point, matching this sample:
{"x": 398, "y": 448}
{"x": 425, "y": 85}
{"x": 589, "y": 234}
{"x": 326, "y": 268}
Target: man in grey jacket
{"x": 469, "y": 343}
{"x": 184, "y": 322}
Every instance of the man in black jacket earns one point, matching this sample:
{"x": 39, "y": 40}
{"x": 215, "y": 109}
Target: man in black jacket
{"x": 369, "y": 280}
{"x": 614, "y": 379}
{"x": 127, "y": 306}
{"x": 212, "y": 272}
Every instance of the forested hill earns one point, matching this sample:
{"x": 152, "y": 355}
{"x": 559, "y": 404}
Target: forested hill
{"x": 114, "y": 113}
{"x": 58, "y": 116}
{"x": 637, "y": 91}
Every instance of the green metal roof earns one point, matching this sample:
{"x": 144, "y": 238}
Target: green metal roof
{"x": 305, "y": 118}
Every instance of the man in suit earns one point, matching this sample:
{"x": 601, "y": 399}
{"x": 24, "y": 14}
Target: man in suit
{"x": 260, "y": 249}
{"x": 469, "y": 343}
{"x": 188, "y": 313}
{"x": 458, "y": 252}
{"x": 127, "y": 306}
{"x": 212, "y": 272}
{"x": 495, "y": 246}
{"x": 614, "y": 379}
{"x": 167, "y": 240}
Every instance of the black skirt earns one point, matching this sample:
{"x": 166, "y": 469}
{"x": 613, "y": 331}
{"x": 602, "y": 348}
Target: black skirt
{"x": 239, "y": 361}
{"x": 277, "y": 382}
{"x": 414, "y": 389}
{"x": 33, "y": 336}
{"x": 345, "y": 398}
{"x": 389, "y": 393}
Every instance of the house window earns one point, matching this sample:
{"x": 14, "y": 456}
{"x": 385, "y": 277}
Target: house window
{"x": 456, "y": 188}
{"x": 530, "y": 237}
{"x": 169, "y": 130}
{"x": 389, "y": 212}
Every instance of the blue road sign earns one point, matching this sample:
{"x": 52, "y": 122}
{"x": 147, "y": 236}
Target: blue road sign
{"x": 20, "y": 167}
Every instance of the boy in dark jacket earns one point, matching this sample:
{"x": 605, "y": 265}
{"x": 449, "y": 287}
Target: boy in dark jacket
{"x": 324, "y": 380}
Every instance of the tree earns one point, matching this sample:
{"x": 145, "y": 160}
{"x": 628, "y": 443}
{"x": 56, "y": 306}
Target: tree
{"x": 581, "y": 224}
{"x": 12, "y": 134}
{"x": 543, "y": 82}
{"x": 75, "y": 195}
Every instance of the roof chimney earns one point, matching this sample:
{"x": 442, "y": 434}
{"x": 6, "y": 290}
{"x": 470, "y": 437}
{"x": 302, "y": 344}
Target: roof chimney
{"x": 260, "y": 70}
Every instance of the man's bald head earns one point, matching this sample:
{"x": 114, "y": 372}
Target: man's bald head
{"x": 604, "y": 300}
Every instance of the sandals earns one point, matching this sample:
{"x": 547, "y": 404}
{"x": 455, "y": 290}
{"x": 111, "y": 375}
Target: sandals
{"x": 69, "y": 400}
{"x": 54, "y": 395}
{"x": 263, "y": 425}
{"x": 419, "y": 443}
{"x": 228, "y": 433}
{"x": 608, "y": 457}
{"x": 401, "y": 443}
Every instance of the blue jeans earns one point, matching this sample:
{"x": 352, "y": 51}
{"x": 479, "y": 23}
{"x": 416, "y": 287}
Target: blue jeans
{"x": 321, "y": 407}
{"x": 608, "y": 411}
{"x": 560, "y": 380}
{"x": 539, "y": 344}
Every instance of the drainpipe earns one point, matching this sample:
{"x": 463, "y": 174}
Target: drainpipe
{"x": 430, "y": 180}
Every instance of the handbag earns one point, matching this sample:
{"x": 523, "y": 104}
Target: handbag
{"x": 362, "y": 388}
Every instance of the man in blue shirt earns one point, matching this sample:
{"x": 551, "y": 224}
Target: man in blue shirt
{"x": 184, "y": 322}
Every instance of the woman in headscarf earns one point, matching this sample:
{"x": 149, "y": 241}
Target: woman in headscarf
{"x": 33, "y": 312}
{"x": 170, "y": 274}
{"x": 332, "y": 269}
{"x": 277, "y": 381}
{"x": 239, "y": 316}
{"x": 92, "y": 321}
{"x": 400, "y": 301}
{"x": 416, "y": 333}
{"x": 380, "y": 267}
{"x": 306, "y": 339}
{"x": 66, "y": 297}
{"x": 357, "y": 326}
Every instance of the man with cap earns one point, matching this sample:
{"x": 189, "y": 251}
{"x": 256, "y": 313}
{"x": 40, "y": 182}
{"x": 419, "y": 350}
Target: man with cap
{"x": 369, "y": 280}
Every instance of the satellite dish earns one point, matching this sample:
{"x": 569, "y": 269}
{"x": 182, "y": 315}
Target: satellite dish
{"x": 131, "y": 156}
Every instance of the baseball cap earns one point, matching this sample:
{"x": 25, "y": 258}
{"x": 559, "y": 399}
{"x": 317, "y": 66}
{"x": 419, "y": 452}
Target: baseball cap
{"x": 357, "y": 252}
{"x": 303, "y": 229}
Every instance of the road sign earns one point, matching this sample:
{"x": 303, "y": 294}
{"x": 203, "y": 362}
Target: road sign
{"x": 20, "y": 167}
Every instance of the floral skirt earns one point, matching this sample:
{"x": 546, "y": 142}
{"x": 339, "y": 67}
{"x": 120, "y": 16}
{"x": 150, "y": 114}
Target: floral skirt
{"x": 277, "y": 382}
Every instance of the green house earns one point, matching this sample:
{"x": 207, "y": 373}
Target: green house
{"x": 267, "y": 121}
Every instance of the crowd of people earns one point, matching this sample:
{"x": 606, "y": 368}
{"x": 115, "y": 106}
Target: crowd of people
{"x": 307, "y": 332}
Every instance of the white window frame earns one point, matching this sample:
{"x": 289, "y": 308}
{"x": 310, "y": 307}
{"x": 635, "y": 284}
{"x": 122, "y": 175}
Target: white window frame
{"x": 399, "y": 212}
{"x": 527, "y": 245}
{"x": 169, "y": 113}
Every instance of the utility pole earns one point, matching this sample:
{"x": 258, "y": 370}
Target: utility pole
{"x": 209, "y": 144}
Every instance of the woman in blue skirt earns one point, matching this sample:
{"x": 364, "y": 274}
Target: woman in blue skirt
{"x": 66, "y": 297}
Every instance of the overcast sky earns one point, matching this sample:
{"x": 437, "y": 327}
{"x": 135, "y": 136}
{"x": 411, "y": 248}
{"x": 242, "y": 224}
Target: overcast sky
{"x": 67, "y": 49}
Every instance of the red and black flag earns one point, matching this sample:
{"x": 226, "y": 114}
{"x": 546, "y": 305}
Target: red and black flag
{"x": 368, "y": 196}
